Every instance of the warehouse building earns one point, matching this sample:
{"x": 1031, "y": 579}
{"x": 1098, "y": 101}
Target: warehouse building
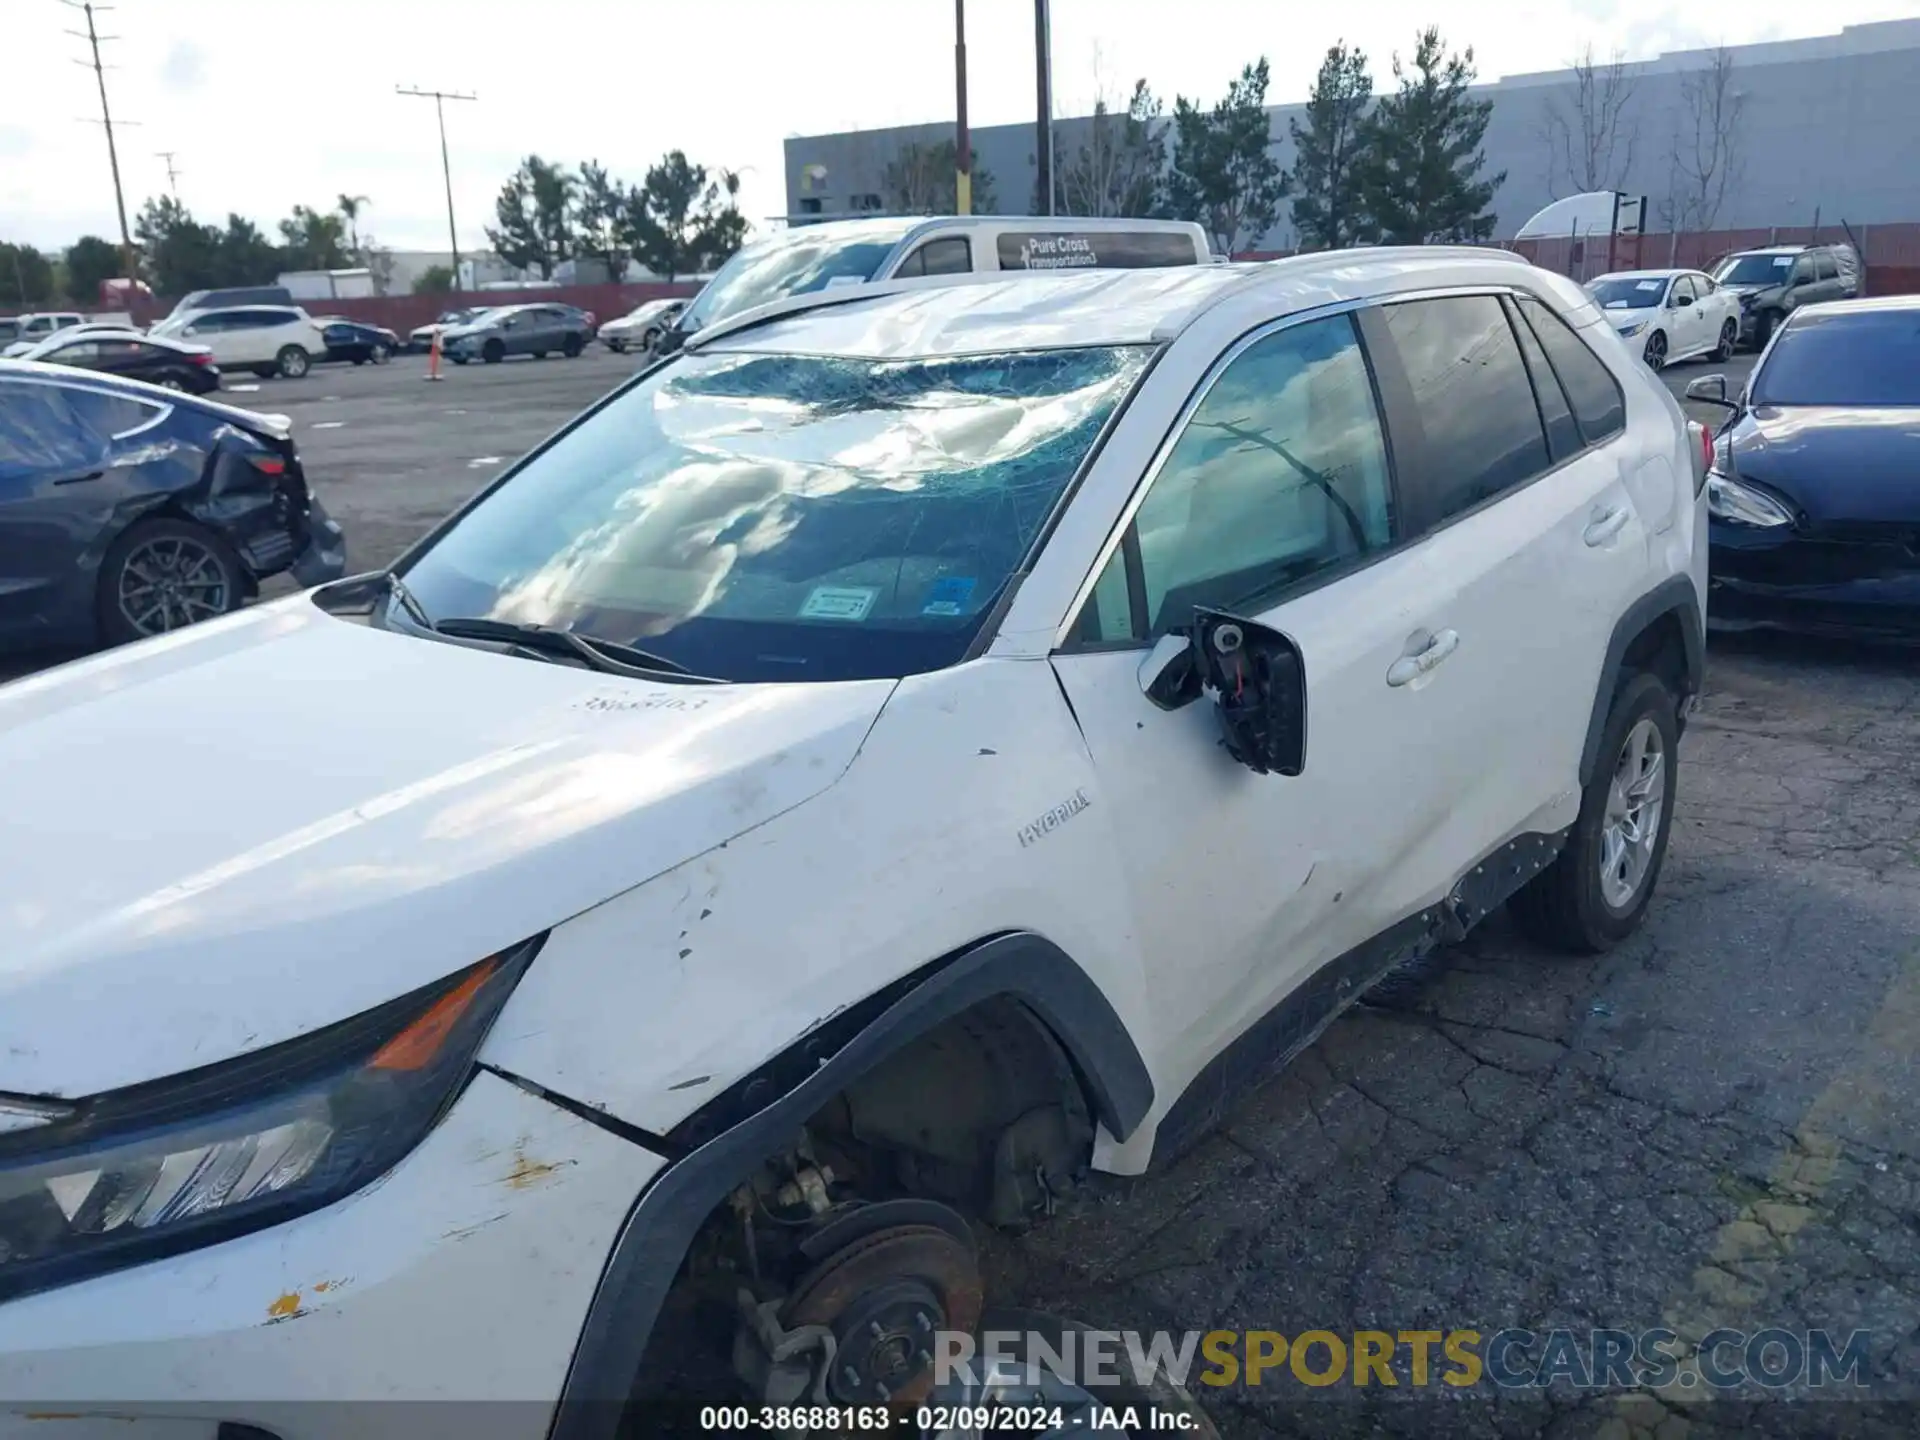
{"x": 1824, "y": 131}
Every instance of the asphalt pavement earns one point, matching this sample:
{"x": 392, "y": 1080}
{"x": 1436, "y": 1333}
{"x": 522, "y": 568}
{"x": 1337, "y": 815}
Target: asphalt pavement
{"x": 1713, "y": 1125}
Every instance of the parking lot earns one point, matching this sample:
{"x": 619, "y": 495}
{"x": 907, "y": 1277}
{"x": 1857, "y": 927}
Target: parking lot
{"x": 1713, "y": 1125}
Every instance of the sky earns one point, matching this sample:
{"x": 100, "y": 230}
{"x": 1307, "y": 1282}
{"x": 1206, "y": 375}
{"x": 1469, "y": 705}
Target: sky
{"x": 272, "y": 103}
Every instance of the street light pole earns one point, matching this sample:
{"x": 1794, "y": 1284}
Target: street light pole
{"x": 962, "y": 146}
{"x": 1043, "y": 136}
{"x": 439, "y": 97}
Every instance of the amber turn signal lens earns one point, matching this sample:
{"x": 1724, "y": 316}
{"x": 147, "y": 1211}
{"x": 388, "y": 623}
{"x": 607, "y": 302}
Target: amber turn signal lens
{"x": 415, "y": 1047}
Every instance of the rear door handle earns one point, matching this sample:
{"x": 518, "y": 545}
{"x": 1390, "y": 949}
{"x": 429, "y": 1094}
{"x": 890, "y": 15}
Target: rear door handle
{"x": 1409, "y": 668}
{"x": 1604, "y": 527}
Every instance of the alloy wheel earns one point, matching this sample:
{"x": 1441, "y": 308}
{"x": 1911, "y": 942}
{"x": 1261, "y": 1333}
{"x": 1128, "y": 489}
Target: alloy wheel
{"x": 1657, "y": 350}
{"x": 171, "y": 581}
{"x": 1631, "y": 826}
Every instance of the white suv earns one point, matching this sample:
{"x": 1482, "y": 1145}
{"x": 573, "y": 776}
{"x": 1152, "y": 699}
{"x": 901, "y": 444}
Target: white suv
{"x": 266, "y": 339}
{"x": 911, "y": 747}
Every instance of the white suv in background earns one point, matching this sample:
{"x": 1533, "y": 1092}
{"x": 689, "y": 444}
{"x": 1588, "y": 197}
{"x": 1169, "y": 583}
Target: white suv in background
{"x": 266, "y": 339}
{"x": 909, "y": 747}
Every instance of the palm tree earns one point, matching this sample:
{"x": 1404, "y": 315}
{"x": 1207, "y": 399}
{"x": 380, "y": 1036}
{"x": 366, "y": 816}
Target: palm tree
{"x": 350, "y": 208}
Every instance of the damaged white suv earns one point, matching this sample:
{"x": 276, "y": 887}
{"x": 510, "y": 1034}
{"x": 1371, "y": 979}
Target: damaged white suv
{"x": 908, "y": 748}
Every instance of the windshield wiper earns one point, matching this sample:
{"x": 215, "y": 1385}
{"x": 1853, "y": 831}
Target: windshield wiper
{"x": 416, "y": 612}
{"x": 609, "y": 656}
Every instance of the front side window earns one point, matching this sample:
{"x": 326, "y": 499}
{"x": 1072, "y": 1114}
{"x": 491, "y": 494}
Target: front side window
{"x": 42, "y": 435}
{"x": 1683, "y": 292}
{"x": 779, "y": 517}
{"x": 1470, "y": 392}
{"x": 1278, "y": 478}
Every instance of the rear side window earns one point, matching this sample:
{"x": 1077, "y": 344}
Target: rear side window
{"x": 1472, "y": 397}
{"x": 1095, "y": 249}
{"x": 113, "y": 415}
{"x": 1598, "y": 404}
{"x": 1828, "y": 270}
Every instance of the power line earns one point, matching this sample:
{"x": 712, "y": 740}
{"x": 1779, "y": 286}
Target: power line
{"x": 94, "y": 38}
{"x": 173, "y": 175}
{"x": 439, "y": 97}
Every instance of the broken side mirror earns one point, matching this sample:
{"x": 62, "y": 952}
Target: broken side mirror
{"x": 1258, "y": 682}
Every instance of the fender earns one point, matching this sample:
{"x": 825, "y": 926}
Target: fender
{"x": 663, "y": 1222}
{"x": 1673, "y": 596}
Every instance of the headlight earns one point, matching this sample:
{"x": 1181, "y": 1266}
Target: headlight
{"x": 1739, "y": 504}
{"x": 158, "y": 1168}
{"x": 1633, "y": 329}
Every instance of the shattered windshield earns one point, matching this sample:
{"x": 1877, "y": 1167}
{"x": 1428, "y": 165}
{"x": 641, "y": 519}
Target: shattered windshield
{"x": 780, "y": 517}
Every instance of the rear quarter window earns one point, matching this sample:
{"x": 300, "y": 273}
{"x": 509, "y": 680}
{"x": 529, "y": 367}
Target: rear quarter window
{"x": 1596, "y": 398}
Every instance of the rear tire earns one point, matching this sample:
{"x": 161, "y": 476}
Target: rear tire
{"x": 1567, "y": 906}
{"x": 571, "y": 347}
{"x": 162, "y": 575}
{"x": 293, "y": 362}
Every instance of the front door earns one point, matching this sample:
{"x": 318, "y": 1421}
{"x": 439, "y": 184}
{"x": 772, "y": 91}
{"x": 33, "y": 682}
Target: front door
{"x": 1275, "y": 501}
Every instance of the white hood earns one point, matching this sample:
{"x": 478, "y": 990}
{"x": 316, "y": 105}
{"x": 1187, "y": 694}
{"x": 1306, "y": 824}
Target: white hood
{"x": 221, "y": 839}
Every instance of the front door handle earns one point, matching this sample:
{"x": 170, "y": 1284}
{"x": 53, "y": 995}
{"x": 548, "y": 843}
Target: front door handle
{"x": 1603, "y": 528}
{"x": 1409, "y": 668}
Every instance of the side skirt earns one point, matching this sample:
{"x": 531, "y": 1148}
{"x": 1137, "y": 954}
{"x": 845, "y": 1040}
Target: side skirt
{"x": 1274, "y": 1040}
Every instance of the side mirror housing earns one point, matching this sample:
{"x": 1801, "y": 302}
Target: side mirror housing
{"x": 1167, "y": 674}
{"x": 1681, "y": 302}
{"x": 1710, "y": 390}
{"x": 1257, "y": 680}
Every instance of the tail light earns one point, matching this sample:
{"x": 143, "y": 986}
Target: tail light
{"x": 268, "y": 464}
{"x": 1702, "y": 440}
{"x": 200, "y": 357}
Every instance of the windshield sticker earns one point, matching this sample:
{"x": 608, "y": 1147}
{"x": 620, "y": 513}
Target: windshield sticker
{"x": 839, "y": 602}
{"x": 836, "y": 281}
{"x": 1649, "y": 284}
{"x": 1616, "y": 304}
{"x": 949, "y": 595}
{"x": 1781, "y": 262}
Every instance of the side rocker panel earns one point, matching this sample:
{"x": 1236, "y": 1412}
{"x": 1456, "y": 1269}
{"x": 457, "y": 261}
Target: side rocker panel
{"x": 657, "y": 1234}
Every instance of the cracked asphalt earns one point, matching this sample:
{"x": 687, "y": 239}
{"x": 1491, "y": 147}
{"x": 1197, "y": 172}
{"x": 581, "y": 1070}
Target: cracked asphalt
{"x": 1713, "y": 1125}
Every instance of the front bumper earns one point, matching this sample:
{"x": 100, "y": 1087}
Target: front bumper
{"x": 461, "y": 1278}
{"x": 1787, "y": 580}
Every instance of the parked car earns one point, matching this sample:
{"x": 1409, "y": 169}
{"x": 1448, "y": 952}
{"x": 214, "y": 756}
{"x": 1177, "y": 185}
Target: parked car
{"x": 1815, "y": 489}
{"x": 641, "y": 327}
{"x": 1772, "y": 283}
{"x": 837, "y": 253}
{"x": 170, "y": 364}
{"x": 357, "y": 341}
{"x": 20, "y": 348}
{"x": 420, "y": 338}
{"x": 36, "y": 327}
{"x": 128, "y": 511}
{"x": 266, "y": 339}
{"x": 1668, "y": 315}
{"x": 537, "y": 330}
{"x": 1177, "y": 679}
{"x": 230, "y": 297}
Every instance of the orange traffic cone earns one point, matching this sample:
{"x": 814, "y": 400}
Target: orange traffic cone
{"x": 433, "y": 356}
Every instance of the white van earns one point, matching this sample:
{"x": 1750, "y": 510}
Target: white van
{"x": 832, "y": 253}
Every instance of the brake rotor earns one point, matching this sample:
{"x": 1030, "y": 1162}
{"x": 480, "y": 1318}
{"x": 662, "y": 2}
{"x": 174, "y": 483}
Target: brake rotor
{"x": 884, "y": 1296}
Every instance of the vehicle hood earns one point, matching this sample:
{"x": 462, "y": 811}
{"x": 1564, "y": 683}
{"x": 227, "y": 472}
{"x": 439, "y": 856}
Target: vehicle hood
{"x": 1837, "y": 464}
{"x": 230, "y": 836}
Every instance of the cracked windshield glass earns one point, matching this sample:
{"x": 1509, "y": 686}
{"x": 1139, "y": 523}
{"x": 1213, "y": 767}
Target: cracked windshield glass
{"x": 775, "y": 517}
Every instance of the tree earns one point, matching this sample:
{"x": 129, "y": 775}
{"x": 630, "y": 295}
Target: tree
{"x": 921, "y": 180}
{"x": 181, "y": 253}
{"x": 1706, "y": 154}
{"x": 1118, "y": 168}
{"x": 90, "y": 260}
{"x": 683, "y": 219}
{"x": 1326, "y": 205}
{"x": 601, "y": 213}
{"x": 314, "y": 240}
{"x": 535, "y": 211}
{"x": 351, "y": 208}
{"x": 247, "y": 257}
{"x": 1418, "y": 175}
{"x": 1589, "y": 142}
{"x": 26, "y": 276}
{"x": 1223, "y": 173}
{"x": 434, "y": 280}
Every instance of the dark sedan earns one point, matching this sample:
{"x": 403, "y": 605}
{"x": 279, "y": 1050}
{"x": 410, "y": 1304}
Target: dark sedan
{"x": 152, "y": 358}
{"x": 357, "y": 341}
{"x": 1814, "y": 495}
{"x": 128, "y": 511}
{"x": 536, "y": 330}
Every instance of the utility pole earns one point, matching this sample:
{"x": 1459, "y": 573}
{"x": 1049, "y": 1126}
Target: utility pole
{"x": 439, "y": 98}
{"x": 962, "y": 146}
{"x": 1043, "y": 137}
{"x": 173, "y": 176}
{"x": 93, "y": 38}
